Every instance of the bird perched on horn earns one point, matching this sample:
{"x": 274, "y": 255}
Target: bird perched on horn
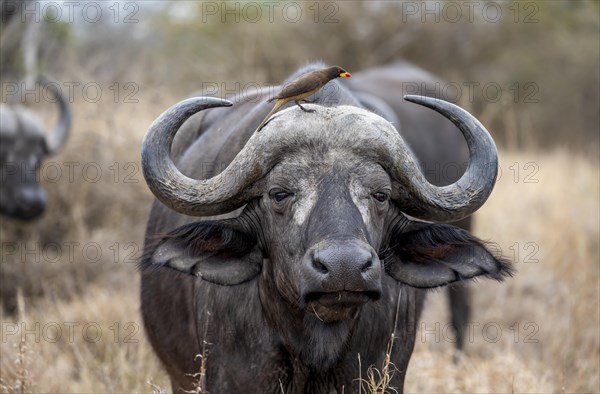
{"x": 303, "y": 87}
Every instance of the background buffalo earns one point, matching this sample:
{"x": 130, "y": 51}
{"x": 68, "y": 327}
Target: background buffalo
{"x": 76, "y": 266}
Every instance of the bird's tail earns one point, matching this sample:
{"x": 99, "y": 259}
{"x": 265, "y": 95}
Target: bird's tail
{"x": 278, "y": 105}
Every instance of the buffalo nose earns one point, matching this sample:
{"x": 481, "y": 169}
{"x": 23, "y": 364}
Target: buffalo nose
{"x": 31, "y": 202}
{"x": 346, "y": 266}
{"x": 334, "y": 260}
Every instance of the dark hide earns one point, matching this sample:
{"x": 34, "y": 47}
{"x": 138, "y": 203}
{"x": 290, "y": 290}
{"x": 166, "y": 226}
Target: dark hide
{"x": 217, "y": 251}
{"x": 261, "y": 327}
{"x": 426, "y": 255}
{"x": 442, "y": 152}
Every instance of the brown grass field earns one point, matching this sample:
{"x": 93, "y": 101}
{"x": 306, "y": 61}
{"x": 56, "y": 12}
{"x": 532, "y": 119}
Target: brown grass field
{"x": 69, "y": 302}
{"x": 80, "y": 330}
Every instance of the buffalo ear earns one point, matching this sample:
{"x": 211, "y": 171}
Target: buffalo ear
{"x": 220, "y": 252}
{"x": 429, "y": 255}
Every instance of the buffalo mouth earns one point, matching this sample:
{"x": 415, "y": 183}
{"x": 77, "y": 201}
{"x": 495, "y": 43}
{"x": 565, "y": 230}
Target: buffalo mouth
{"x": 335, "y": 306}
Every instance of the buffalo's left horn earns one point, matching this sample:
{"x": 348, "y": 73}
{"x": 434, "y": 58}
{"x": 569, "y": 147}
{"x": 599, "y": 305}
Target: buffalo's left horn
{"x": 460, "y": 199}
{"x": 58, "y": 136}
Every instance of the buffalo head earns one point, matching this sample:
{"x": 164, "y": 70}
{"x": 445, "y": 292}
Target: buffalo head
{"x": 330, "y": 201}
{"x": 23, "y": 145}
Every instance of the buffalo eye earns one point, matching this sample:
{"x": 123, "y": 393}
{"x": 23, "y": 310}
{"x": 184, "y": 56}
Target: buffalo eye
{"x": 279, "y": 195}
{"x": 380, "y": 196}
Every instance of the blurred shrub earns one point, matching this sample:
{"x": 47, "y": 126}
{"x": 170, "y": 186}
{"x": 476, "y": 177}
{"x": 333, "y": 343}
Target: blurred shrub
{"x": 544, "y": 55}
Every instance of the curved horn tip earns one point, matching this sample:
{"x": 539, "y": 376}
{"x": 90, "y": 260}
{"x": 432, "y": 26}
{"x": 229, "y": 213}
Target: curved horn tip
{"x": 418, "y": 99}
{"x": 209, "y": 101}
{"x": 437, "y": 104}
{"x": 186, "y": 108}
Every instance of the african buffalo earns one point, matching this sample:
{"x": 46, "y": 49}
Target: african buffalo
{"x": 23, "y": 145}
{"x": 439, "y": 149}
{"x": 318, "y": 239}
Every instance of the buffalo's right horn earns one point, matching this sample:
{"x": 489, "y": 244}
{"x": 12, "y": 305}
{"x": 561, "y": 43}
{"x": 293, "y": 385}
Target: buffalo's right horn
{"x": 175, "y": 190}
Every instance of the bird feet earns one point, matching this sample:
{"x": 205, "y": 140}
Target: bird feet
{"x": 303, "y": 108}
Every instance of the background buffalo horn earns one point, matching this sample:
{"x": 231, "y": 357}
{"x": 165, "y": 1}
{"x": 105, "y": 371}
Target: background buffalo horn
{"x": 58, "y": 136}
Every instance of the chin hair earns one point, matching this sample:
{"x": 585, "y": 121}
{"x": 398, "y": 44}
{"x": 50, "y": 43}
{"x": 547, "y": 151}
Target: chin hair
{"x": 326, "y": 342}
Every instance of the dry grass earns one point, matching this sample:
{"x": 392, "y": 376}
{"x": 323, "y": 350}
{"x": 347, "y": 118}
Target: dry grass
{"x": 82, "y": 328}
{"x": 378, "y": 380}
{"x": 94, "y": 343}
{"x": 548, "y": 313}
{"x": 552, "y": 304}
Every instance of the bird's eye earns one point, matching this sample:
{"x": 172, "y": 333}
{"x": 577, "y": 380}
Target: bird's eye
{"x": 279, "y": 195}
{"x": 380, "y": 196}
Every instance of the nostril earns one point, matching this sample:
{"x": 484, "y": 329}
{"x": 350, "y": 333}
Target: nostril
{"x": 320, "y": 267}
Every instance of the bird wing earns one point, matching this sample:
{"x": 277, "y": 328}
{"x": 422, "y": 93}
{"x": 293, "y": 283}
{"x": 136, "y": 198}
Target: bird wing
{"x": 304, "y": 84}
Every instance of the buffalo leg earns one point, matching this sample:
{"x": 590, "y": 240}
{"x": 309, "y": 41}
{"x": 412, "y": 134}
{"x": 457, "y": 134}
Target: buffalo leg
{"x": 459, "y": 300}
{"x": 460, "y": 311}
